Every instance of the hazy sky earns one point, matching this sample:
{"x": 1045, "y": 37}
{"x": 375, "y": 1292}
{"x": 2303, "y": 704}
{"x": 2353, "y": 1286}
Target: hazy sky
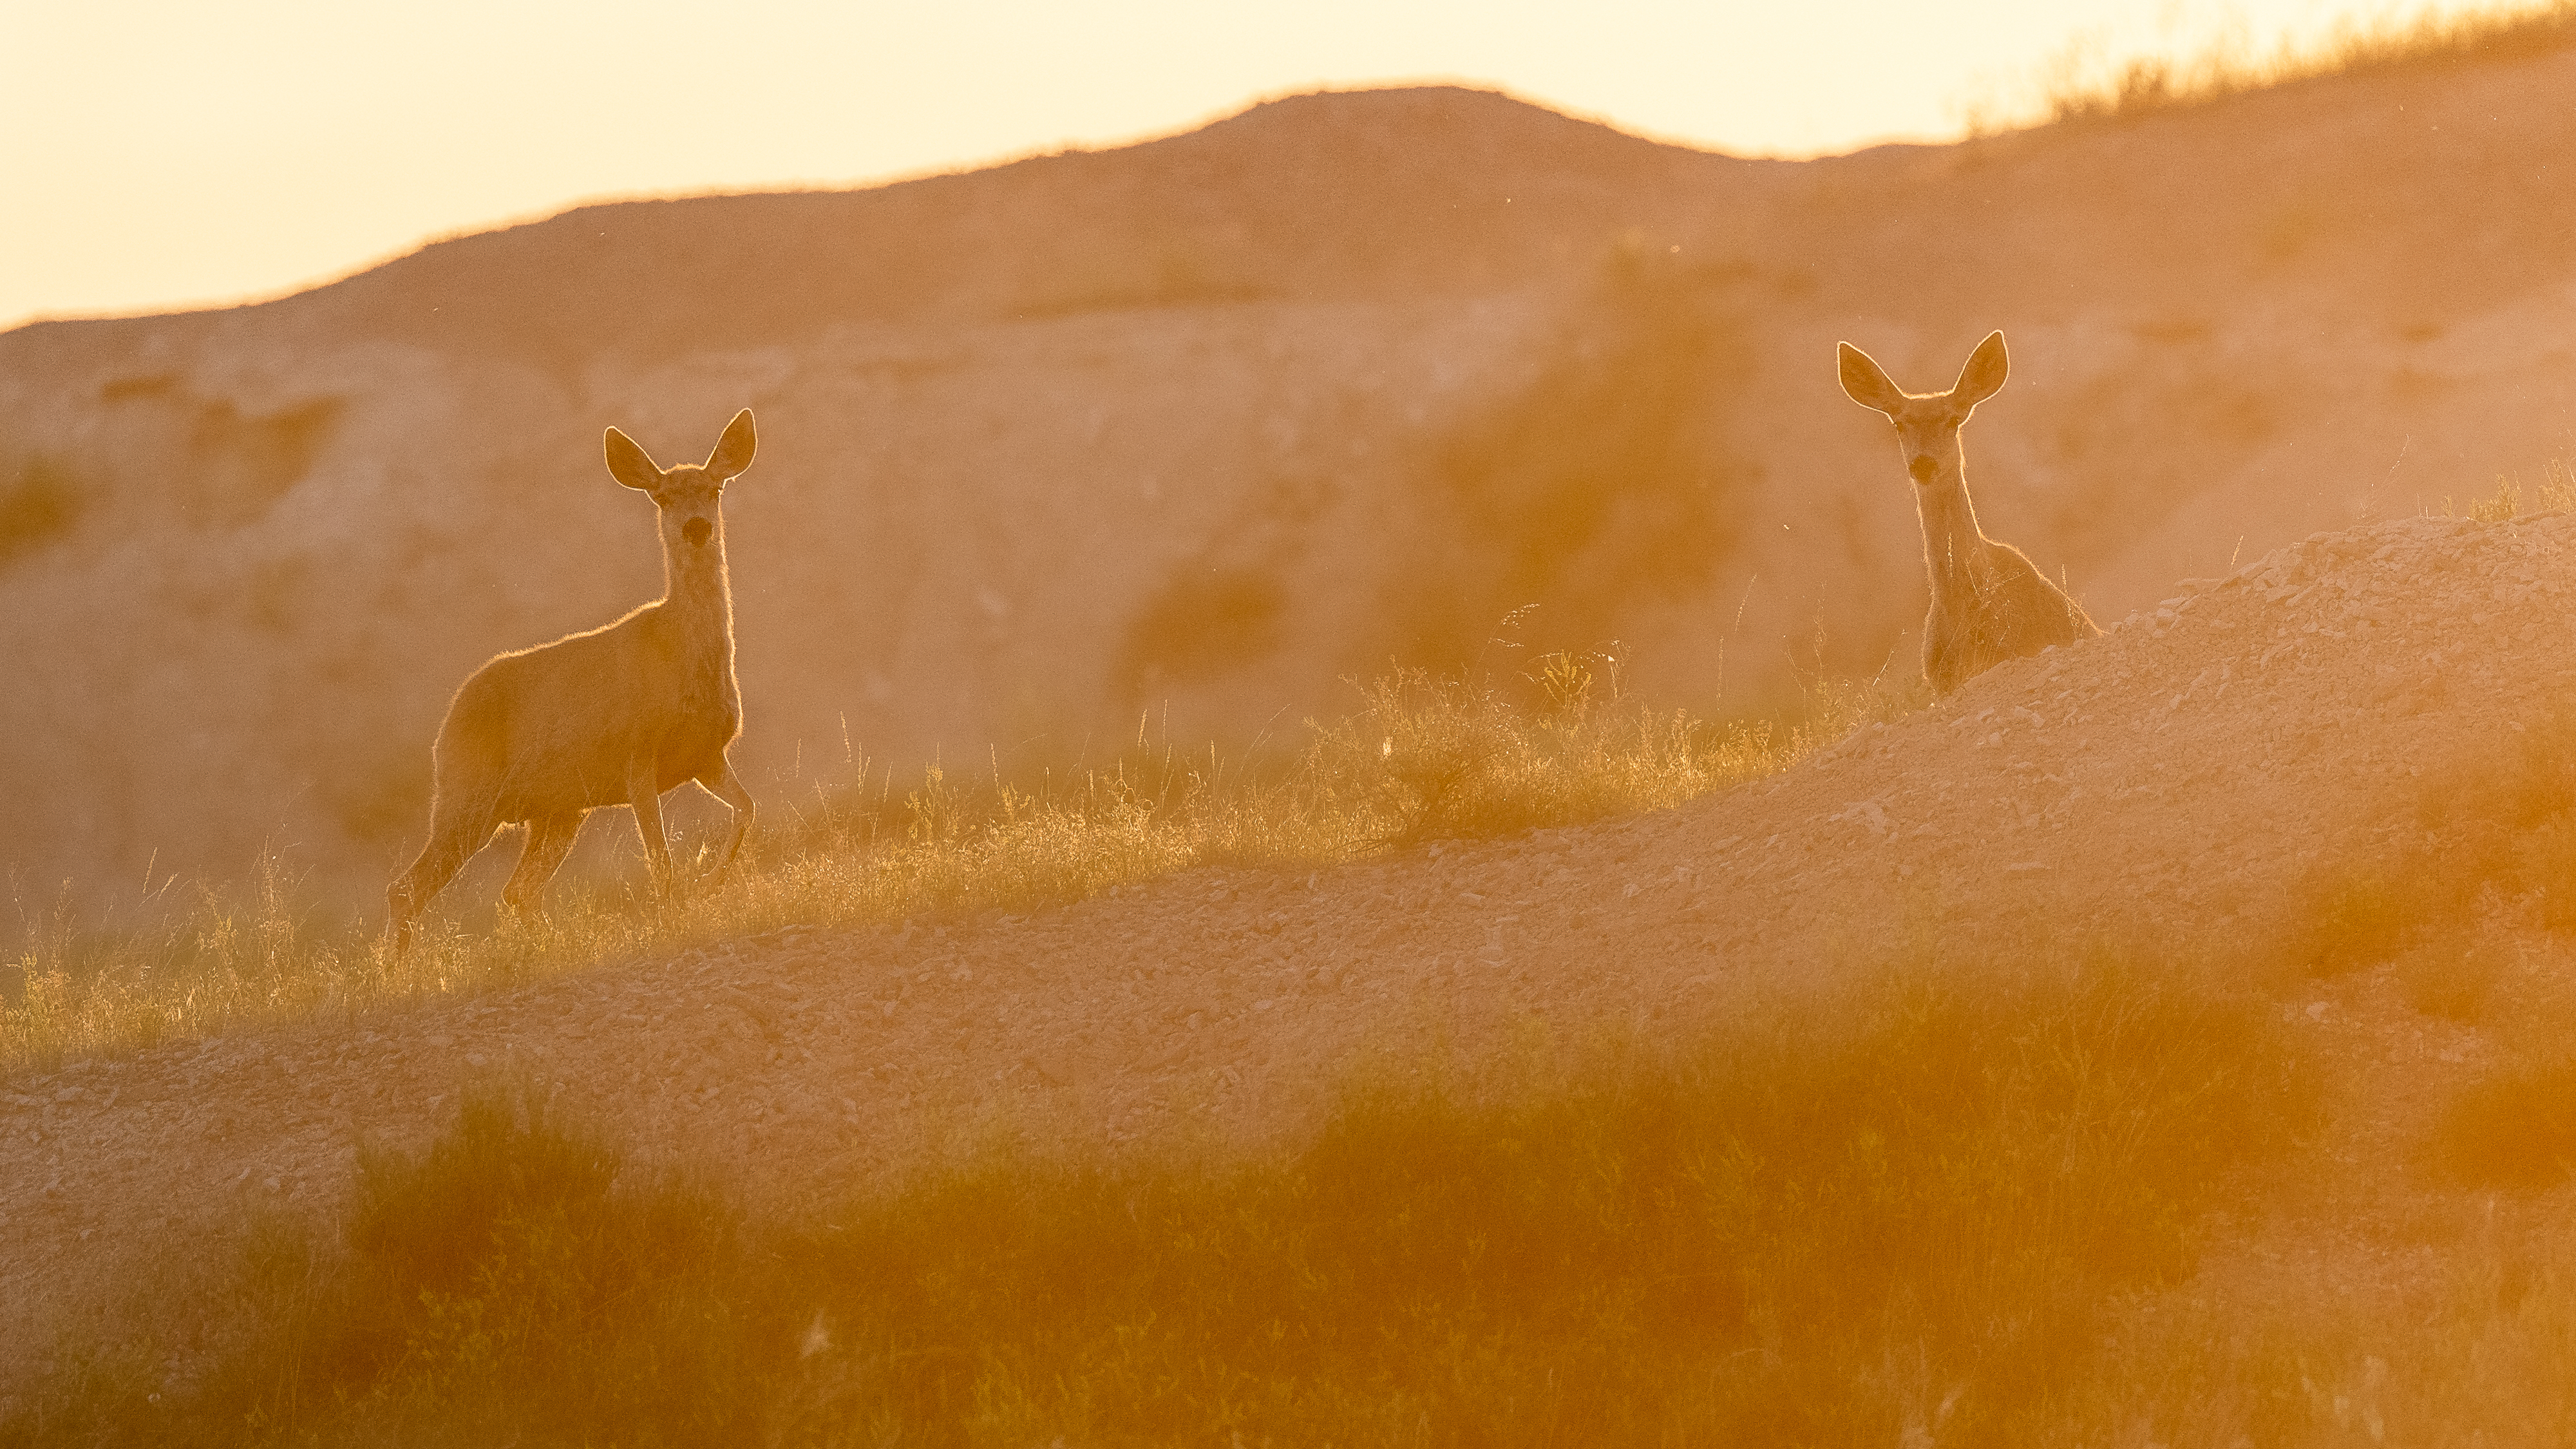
{"x": 157, "y": 154}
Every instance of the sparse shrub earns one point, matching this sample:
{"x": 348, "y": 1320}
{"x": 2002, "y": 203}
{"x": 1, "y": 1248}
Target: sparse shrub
{"x": 501, "y": 1285}
{"x": 1445, "y": 756}
{"x": 41, "y": 506}
{"x": 2503, "y": 504}
{"x": 2556, "y": 494}
{"x": 1900, "y": 1216}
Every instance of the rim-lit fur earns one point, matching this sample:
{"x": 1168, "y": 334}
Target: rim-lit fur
{"x": 613, "y": 716}
{"x": 1990, "y": 603}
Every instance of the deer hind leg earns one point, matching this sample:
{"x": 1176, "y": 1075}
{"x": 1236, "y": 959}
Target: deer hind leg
{"x": 724, "y": 785}
{"x": 550, "y": 839}
{"x": 455, "y": 833}
{"x": 643, "y": 792}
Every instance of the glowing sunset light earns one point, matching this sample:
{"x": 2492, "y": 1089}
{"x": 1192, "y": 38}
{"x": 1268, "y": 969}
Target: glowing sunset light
{"x": 167, "y": 155}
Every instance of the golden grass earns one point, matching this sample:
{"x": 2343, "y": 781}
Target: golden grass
{"x": 1904, "y": 1216}
{"x": 2492, "y": 833}
{"x": 2555, "y": 493}
{"x": 2078, "y": 86}
{"x": 2483, "y": 1361}
{"x": 1425, "y": 757}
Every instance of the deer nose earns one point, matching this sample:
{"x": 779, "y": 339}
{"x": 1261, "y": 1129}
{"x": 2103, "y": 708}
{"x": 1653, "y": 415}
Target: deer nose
{"x": 696, "y": 530}
{"x": 1923, "y": 468}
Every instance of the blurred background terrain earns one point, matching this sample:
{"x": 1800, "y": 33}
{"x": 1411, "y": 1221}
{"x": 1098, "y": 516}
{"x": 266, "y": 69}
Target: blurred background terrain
{"x": 1185, "y": 434}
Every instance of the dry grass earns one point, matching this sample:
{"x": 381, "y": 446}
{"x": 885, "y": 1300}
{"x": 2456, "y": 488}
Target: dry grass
{"x": 2078, "y": 85}
{"x": 2477, "y": 1355}
{"x": 1425, "y": 758}
{"x": 2491, "y": 834}
{"x": 1904, "y": 1217}
{"x": 2556, "y": 493}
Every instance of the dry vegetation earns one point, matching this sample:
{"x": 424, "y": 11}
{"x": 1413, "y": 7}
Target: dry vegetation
{"x": 1427, "y": 757}
{"x": 1902, "y": 1215}
{"x": 2079, "y": 85}
{"x": 1943, "y": 1208}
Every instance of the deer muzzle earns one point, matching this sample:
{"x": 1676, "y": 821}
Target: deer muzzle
{"x": 697, "y": 531}
{"x": 1923, "y": 468}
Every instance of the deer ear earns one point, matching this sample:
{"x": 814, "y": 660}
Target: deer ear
{"x": 734, "y": 449}
{"x": 1867, "y": 383}
{"x": 1983, "y": 377}
{"x": 629, "y": 464}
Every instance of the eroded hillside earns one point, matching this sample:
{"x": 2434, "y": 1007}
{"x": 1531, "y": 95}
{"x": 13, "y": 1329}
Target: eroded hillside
{"x": 1199, "y": 427}
{"x": 2188, "y": 791}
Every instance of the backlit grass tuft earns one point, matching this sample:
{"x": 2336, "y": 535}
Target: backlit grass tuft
{"x": 1425, "y": 758}
{"x": 2077, "y": 86}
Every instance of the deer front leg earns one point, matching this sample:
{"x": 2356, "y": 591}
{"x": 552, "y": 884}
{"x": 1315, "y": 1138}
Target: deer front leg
{"x": 643, "y": 792}
{"x": 724, "y": 785}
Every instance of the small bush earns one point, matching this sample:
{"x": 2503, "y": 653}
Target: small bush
{"x": 41, "y": 506}
{"x": 501, "y": 1287}
{"x": 2556, "y": 493}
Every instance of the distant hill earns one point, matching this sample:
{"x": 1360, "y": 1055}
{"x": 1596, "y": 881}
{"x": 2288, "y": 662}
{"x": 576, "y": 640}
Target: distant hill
{"x": 1193, "y": 429}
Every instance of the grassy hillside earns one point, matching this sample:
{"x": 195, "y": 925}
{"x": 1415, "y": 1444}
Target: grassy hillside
{"x": 1428, "y": 758}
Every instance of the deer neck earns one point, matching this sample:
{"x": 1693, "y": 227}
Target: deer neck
{"x": 697, "y": 594}
{"x": 1952, "y": 542}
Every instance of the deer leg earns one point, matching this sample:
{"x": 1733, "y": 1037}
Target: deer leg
{"x": 643, "y": 792}
{"x": 724, "y": 785}
{"x": 454, "y": 836}
{"x": 550, "y": 839}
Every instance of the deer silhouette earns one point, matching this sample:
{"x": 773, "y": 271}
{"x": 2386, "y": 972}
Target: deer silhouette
{"x": 1990, "y": 603}
{"x": 612, "y": 716}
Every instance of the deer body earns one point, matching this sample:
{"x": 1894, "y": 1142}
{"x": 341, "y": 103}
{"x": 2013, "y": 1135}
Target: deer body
{"x": 1990, "y": 603}
{"x": 612, "y": 716}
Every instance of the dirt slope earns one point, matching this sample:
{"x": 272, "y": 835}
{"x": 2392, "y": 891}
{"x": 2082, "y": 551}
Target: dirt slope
{"x": 1203, "y": 425}
{"x": 2169, "y": 782}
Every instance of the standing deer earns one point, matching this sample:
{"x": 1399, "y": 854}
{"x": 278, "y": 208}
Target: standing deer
{"x": 613, "y": 716}
{"x": 1990, "y": 603}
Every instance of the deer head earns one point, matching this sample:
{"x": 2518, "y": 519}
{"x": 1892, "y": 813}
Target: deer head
{"x": 1927, "y": 424}
{"x": 690, "y": 496}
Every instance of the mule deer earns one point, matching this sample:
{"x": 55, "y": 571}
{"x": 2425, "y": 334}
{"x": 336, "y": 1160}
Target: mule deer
{"x": 1990, "y": 603}
{"x": 613, "y": 716}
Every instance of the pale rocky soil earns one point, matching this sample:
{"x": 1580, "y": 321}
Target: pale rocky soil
{"x": 1202, "y": 426}
{"x": 2163, "y": 787}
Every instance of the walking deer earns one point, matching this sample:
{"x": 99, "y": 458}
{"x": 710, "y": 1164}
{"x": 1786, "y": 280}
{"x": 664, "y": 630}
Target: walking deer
{"x": 613, "y": 716}
{"x": 1990, "y": 603}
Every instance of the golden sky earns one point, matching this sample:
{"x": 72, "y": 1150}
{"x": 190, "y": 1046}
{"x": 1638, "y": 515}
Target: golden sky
{"x": 162, "y": 154}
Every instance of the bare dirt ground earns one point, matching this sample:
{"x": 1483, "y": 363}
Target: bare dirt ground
{"x": 2167, "y": 784}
